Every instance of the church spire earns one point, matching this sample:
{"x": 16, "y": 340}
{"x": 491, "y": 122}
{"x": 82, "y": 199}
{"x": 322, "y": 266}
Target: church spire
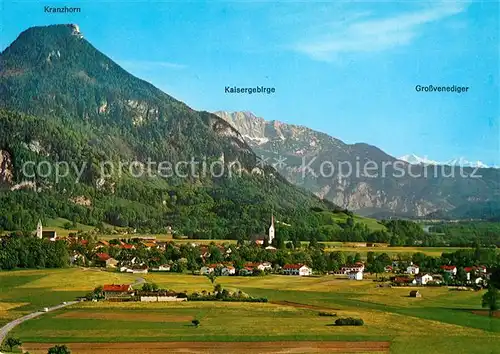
{"x": 39, "y": 229}
{"x": 271, "y": 230}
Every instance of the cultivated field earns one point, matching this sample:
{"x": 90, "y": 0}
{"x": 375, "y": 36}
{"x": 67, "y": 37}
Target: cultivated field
{"x": 391, "y": 251}
{"x": 442, "y": 321}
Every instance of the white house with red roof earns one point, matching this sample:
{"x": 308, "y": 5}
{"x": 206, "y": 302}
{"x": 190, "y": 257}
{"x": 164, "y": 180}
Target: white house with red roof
{"x": 450, "y": 269}
{"x": 296, "y": 269}
{"x": 349, "y": 268}
{"x": 106, "y": 260}
{"x": 114, "y": 291}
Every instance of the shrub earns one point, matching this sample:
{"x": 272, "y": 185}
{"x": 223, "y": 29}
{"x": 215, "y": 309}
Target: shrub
{"x": 349, "y": 321}
{"x": 195, "y": 323}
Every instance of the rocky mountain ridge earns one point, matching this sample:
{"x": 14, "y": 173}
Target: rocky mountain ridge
{"x": 382, "y": 195}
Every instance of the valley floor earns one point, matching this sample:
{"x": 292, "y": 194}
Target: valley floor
{"x": 441, "y": 321}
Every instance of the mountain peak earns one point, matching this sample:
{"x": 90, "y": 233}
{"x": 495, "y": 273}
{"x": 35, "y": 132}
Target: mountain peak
{"x": 51, "y": 31}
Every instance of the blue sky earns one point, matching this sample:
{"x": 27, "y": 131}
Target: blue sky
{"x": 345, "y": 68}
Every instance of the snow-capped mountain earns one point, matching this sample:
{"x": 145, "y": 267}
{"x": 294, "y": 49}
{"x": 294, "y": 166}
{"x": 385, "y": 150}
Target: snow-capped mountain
{"x": 417, "y": 160}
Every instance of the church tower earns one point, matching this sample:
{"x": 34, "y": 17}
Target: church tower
{"x": 39, "y": 229}
{"x": 271, "y": 230}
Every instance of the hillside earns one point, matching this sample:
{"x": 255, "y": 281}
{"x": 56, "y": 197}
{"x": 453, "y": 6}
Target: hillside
{"x": 384, "y": 195}
{"x": 64, "y": 102}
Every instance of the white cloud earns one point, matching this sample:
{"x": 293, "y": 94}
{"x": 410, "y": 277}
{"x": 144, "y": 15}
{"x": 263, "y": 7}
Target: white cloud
{"x": 370, "y": 34}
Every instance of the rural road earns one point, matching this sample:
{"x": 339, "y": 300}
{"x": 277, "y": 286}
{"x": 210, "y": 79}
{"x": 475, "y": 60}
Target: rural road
{"x": 9, "y": 326}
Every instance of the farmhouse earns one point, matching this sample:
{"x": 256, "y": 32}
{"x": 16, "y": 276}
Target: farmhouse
{"x": 450, "y": 269}
{"x": 296, "y": 269}
{"x": 412, "y": 269}
{"x": 117, "y": 291}
{"x": 105, "y": 260}
{"x": 388, "y": 269}
{"x": 357, "y": 267}
{"x": 423, "y": 279}
{"x": 474, "y": 271}
{"x": 355, "y": 275}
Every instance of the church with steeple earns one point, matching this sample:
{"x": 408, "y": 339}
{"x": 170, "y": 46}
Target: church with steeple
{"x": 39, "y": 229}
{"x": 271, "y": 230}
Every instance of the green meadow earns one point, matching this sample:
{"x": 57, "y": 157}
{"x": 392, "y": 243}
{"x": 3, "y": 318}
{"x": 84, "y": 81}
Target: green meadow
{"x": 441, "y": 321}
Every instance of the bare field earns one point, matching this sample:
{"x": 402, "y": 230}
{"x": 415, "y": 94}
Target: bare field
{"x": 219, "y": 347}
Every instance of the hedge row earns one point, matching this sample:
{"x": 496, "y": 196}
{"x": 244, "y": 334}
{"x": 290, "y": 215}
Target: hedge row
{"x": 349, "y": 321}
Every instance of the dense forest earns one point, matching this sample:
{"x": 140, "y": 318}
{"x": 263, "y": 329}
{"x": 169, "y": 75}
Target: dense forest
{"x": 460, "y": 233}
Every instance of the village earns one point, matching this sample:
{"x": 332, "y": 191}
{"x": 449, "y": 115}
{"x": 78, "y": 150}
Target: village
{"x": 258, "y": 257}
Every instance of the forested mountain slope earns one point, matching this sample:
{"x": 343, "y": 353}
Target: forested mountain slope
{"x": 64, "y": 102}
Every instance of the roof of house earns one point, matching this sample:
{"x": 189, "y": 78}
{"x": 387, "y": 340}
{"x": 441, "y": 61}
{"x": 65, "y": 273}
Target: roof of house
{"x": 353, "y": 265}
{"x": 126, "y": 246}
{"x": 401, "y": 280}
{"x": 293, "y": 266}
{"x": 103, "y": 256}
{"x": 116, "y": 287}
{"x": 104, "y": 242}
{"x": 448, "y": 267}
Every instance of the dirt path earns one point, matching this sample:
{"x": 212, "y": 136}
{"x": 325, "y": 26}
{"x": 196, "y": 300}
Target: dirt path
{"x": 218, "y": 347}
